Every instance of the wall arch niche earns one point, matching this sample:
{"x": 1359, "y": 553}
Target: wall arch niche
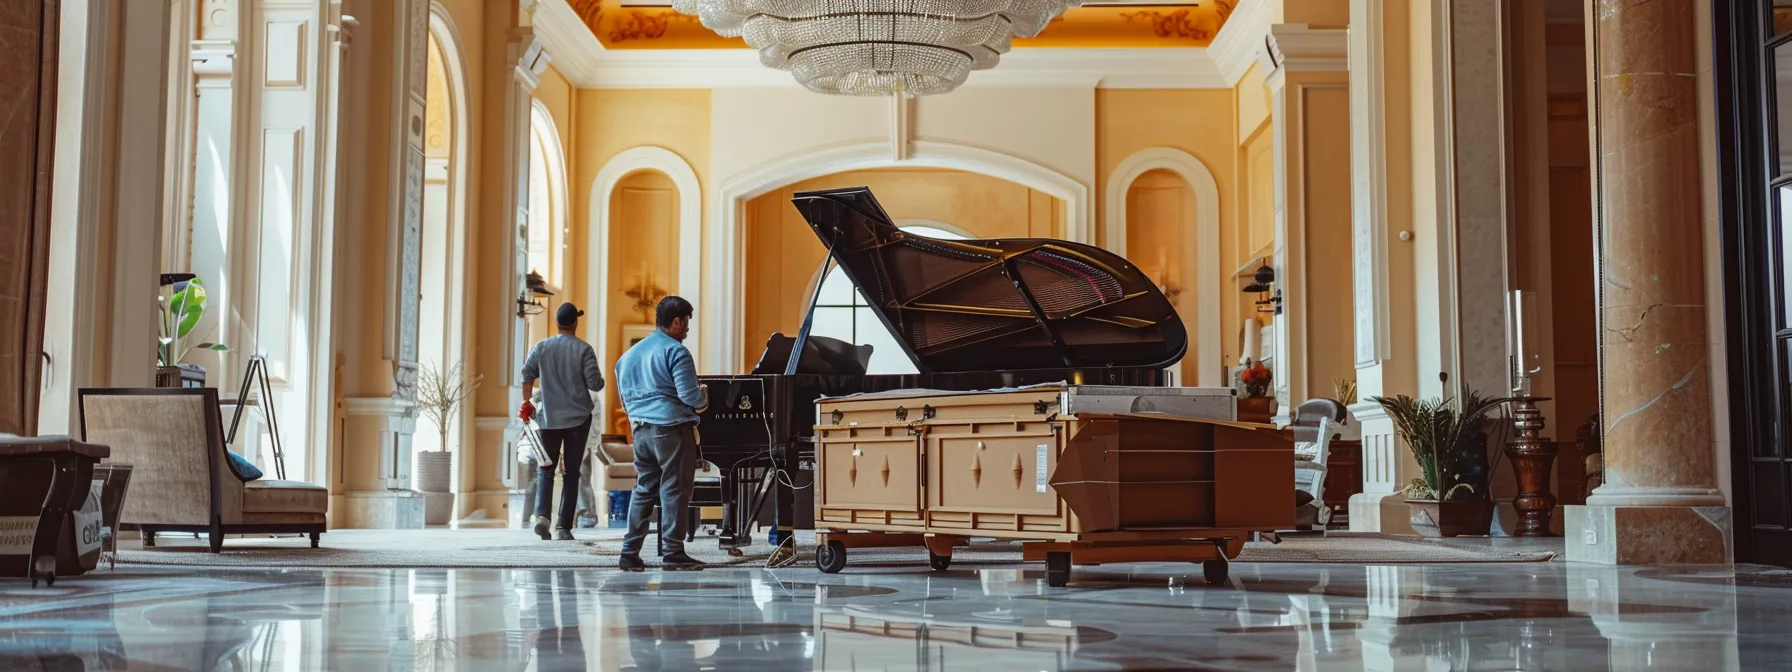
{"x": 442, "y": 315}
{"x": 782, "y": 257}
{"x": 645, "y": 242}
{"x": 1163, "y": 215}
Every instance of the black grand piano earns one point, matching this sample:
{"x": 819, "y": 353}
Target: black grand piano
{"x": 970, "y": 315}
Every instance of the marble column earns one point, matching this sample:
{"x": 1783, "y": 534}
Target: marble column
{"x": 379, "y": 340}
{"x": 1659, "y": 503}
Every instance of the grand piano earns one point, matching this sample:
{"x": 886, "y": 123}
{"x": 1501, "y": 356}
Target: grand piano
{"x": 969, "y": 314}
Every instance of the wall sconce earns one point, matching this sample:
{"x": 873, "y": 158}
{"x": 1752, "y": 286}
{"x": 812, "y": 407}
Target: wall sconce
{"x": 1263, "y": 283}
{"x": 646, "y": 294}
{"x": 527, "y": 302}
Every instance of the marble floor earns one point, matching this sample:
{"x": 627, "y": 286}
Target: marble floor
{"x": 1530, "y": 616}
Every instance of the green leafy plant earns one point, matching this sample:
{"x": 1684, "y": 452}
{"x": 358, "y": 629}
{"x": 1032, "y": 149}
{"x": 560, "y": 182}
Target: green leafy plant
{"x": 441, "y": 394}
{"x": 1448, "y": 437}
{"x": 180, "y": 312}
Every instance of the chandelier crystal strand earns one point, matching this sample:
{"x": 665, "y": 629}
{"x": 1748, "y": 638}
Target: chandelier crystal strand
{"x": 875, "y": 47}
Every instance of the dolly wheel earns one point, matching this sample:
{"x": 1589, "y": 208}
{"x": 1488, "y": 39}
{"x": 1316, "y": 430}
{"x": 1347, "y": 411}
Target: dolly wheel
{"x": 1057, "y": 569}
{"x": 1217, "y": 572}
{"x": 939, "y": 563}
{"x": 830, "y": 557}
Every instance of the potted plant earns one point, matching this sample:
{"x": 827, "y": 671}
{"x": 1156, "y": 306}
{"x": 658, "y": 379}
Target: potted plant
{"x": 181, "y": 312}
{"x": 440, "y": 397}
{"x": 1448, "y": 438}
{"x": 1256, "y": 405}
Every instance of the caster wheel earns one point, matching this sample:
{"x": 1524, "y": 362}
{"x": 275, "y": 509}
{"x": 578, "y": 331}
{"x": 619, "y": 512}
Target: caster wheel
{"x": 1217, "y": 572}
{"x": 939, "y": 563}
{"x": 830, "y": 558}
{"x": 1057, "y": 569}
{"x": 735, "y": 553}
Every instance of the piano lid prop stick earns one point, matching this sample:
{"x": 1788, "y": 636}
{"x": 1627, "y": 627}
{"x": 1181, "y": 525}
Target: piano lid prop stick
{"x": 802, "y": 335}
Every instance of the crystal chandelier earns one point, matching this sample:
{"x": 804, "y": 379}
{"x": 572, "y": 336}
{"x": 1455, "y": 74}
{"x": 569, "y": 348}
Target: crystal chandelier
{"x": 872, "y": 47}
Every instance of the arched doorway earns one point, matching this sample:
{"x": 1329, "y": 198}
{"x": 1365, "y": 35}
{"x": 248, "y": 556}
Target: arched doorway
{"x": 782, "y": 256}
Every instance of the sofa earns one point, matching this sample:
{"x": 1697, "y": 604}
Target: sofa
{"x": 182, "y": 479}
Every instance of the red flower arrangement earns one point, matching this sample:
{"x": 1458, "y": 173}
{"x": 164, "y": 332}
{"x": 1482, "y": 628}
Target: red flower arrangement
{"x": 1256, "y": 380}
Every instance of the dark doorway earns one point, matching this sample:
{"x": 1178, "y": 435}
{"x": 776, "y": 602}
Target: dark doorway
{"x": 1753, "y": 65}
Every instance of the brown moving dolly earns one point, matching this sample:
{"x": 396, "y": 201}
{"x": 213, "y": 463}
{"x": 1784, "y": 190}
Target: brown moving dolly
{"x": 1079, "y": 490}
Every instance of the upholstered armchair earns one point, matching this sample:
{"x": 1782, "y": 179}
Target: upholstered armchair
{"x": 182, "y": 480}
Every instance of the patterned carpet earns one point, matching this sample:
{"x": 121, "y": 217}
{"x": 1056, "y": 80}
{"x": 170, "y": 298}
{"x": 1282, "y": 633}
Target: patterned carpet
{"x": 599, "y": 548}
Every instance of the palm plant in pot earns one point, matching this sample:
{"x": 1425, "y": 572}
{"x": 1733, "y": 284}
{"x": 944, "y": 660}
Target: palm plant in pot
{"x": 440, "y": 397}
{"x": 1448, "y": 438}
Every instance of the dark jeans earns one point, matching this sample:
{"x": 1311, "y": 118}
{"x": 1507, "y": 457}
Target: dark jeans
{"x": 567, "y": 448}
{"x": 665, "y": 470}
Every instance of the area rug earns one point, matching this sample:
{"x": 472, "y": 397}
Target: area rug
{"x": 599, "y": 548}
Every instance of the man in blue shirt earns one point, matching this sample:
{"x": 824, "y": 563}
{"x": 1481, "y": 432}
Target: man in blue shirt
{"x": 657, "y": 382}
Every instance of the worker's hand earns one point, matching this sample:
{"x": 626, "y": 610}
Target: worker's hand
{"x": 527, "y": 411}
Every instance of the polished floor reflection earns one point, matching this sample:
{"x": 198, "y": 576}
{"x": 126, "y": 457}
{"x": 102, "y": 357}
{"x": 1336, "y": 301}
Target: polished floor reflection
{"x": 1534, "y": 616}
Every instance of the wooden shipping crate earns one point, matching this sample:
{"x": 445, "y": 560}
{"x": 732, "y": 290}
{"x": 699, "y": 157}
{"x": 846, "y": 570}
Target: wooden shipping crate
{"x": 1004, "y": 464}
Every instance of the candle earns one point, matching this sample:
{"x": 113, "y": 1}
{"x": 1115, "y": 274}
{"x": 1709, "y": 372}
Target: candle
{"x": 1518, "y": 340}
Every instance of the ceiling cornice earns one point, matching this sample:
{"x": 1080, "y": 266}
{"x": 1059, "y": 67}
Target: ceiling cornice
{"x": 1162, "y": 68}
{"x": 1242, "y": 38}
{"x": 576, "y": 53}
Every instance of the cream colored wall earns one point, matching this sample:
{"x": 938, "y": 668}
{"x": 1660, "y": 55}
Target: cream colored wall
{"x": 1049, "y": 126}
{"x": 610, "y": 121}
{"x": 783, "y": 254}
{"x": 1202, "y": 123}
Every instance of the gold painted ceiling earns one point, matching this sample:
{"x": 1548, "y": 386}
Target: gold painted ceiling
{"x": 1099, "y": 26}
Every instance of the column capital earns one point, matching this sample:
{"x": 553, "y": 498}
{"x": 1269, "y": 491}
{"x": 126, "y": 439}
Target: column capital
{"x": 212, "y": 59}
{"x": 1293, "y": 47}
{"x": 530, "y": 59}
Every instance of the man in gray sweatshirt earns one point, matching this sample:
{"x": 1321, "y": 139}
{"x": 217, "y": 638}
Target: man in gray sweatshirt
{"x": 567, "y": 369}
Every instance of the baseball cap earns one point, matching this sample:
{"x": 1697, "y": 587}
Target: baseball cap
{"x": 568, "y": 315}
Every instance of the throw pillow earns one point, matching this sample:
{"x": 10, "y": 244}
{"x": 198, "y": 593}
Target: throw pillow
{"x": 245, "y": 470}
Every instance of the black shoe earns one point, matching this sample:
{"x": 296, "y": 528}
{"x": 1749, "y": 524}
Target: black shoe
{"x": 563, "y": 535}
{"x": 541, "y": 528}
{"x": 631, "y": 562}
{"x": 680, "y": 561}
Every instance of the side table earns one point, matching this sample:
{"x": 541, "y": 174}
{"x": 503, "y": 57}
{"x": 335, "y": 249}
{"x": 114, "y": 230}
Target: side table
{"x": 1343, "y": 478}
{"x": 44, "y": 481}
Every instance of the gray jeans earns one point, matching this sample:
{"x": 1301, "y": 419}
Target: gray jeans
{"x": 665, "y": 471}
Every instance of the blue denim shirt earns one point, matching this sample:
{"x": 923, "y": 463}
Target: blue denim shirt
{"x": 657, "y": 382}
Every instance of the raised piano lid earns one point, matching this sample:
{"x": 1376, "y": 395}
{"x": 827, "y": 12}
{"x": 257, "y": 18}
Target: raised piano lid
{"x": 998, "y": 304}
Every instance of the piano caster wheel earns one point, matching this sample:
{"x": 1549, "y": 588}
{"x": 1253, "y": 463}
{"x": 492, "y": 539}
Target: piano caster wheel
{"x": 939, "y": 563}
{"x": 735, "y": 553}
{"x": 1217, "y": 572}
{"x": 830, "y": 558}
{"x": 1057, "y": 569}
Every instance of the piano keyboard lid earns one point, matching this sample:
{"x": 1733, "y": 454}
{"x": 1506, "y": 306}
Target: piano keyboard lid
{"x": 996, "y": 304}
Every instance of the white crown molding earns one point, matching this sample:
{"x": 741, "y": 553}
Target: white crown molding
{"x": 1156, "y": 68}
{"x": 1297, "y": 47}
{"x": 575, "y": 51}
{"x": 1242, "y": 39}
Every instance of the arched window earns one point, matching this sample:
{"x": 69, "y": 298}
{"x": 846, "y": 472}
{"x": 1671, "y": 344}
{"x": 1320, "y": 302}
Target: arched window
{"x": 842, "y": 312}
{"x": 547, "y": 214}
